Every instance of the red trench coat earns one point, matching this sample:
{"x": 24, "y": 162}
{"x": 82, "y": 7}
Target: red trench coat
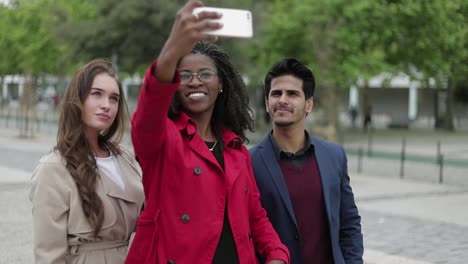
{"x": 186, "y": 189}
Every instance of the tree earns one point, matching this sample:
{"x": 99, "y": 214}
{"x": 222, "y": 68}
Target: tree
{"x": 9, "y": 62}
{"x": 29, "y": 48}
{"x": 344, "y": 41}
{"x": 339, "y": 39}
{"x": 431, "y": 38}
{"x": 129, "y": 31}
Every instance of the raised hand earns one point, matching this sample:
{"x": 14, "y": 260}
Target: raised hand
{"x": 186, "y": 32}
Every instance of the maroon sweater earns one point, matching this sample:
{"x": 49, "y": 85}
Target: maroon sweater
{"x": 304, "y": 184}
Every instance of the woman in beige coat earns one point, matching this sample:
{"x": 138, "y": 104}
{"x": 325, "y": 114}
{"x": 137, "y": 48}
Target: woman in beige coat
{"x": 87, "y": 193}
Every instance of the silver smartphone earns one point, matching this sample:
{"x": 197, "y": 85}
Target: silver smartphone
{"x": 237, "y": 23}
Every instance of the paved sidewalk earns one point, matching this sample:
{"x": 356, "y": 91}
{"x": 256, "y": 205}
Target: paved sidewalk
{"x": 426, "y": 201}
{"x": 388, "y": 196}
{"x": 412, "y": 222}
{"x": 41, "y": 142}
{"x": 404, "y": 221}
{"x": 13, "y": 176}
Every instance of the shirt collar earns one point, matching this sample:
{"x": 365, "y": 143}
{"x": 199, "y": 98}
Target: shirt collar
{"x": 279, "y": 152}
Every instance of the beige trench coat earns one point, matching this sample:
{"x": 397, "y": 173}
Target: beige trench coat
{"x": 61, "y": 233}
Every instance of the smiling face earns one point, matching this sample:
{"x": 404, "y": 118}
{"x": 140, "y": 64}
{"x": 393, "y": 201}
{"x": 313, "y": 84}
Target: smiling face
{"x": 198, "y": 97}
{"x": 286, "y": 101}
{"x": 101, "y": 104}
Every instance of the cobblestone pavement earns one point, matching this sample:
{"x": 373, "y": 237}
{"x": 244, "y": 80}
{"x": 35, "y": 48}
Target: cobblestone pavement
{"x": 413, "y": 238}
{"x": 406, "y": 221}
{"x": 428, "y": 226}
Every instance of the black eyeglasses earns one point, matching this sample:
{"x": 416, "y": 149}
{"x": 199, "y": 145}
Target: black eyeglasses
{"x": 204, "y": 76}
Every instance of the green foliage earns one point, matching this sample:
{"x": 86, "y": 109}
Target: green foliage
{"x": 27, "y": 43}
{"x": 341, "y": 40}
{"x": 134, "y": 31}
{"x": 130, "y": 31}
{"x": 75, "y": 31}
{"x": 429, "y": 35}
{"x": 8, "y": 60}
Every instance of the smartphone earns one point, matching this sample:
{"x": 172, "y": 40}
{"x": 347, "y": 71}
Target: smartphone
{"x": 237, "y": 23}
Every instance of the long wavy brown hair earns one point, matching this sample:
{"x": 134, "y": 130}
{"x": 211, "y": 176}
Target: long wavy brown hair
{"x": 71, "y": 141}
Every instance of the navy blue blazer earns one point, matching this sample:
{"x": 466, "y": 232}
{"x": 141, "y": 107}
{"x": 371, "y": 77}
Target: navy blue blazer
{"x": 342, "y": 213}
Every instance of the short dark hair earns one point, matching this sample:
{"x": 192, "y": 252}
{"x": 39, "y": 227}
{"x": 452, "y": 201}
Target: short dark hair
{"x": 291, "y": 66}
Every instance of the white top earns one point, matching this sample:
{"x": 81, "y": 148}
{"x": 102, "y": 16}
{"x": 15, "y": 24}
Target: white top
{"x": 110, "y": 167}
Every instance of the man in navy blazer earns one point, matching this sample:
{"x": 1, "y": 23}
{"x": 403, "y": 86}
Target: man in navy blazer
{"x": 303, "y": 181}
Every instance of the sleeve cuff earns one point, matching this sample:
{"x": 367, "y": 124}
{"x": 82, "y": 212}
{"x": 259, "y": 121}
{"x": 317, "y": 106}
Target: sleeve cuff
{"x": 278, "y": 254}
{"x": 149, "y": 77}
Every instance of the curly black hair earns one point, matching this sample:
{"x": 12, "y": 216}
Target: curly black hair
{"x": 232, "y": 109}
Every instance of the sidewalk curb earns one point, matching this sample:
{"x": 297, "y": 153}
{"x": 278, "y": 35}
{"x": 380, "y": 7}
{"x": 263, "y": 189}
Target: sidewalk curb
{"x": 11, "y": 175}
{"x": 378, "y": 257}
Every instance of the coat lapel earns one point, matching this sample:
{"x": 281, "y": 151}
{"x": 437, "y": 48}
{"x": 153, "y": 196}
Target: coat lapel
{"x": 229, "y": 155}
{"x": 188, "y": 130}
{"x": 324, "y": 167}
{"x": 200, "y": 148}
{"x": 232, "y": 152}
{"x": 131, "y": 193}
{"x": 274, "y": 170}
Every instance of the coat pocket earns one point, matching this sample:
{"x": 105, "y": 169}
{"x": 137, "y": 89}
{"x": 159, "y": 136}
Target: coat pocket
{"x": 144, "y": 245}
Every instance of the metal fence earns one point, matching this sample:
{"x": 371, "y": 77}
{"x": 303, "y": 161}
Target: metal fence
{"x": 438, "y": 154}
{"x": 418, "y": 154}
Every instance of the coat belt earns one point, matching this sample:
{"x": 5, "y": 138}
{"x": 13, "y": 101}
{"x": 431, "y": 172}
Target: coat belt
{"x": 77, "y": 249}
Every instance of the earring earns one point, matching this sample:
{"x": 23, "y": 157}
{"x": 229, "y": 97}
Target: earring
{"x": 221, "y": 91}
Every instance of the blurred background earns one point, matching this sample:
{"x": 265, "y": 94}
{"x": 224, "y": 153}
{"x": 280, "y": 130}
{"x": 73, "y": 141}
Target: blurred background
{"x": 392, "y": 88}
{"x": 388, "y": 71}
{"x": 402, "y": 62}
{"x": 384, "y": 68}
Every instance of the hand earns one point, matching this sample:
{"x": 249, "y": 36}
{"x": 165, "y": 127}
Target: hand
{"x": 186, "y": 32}
{"x": 276, "y": 262}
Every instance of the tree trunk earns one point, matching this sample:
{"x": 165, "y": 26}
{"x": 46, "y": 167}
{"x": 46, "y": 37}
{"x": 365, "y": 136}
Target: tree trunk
{"x": 364, "y": 102}
{"x": 330, "y": 105}
{"x": 26, "y": 105}
{"x": 332, "y": 112}
{"x": 444, "y": 103}
{"x": 436, "y": 108}
{"x": 2, "y": 100}
{"x": 449, "y": 124}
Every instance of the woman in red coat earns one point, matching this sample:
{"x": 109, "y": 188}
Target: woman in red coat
{"x": 202, "y": 201}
